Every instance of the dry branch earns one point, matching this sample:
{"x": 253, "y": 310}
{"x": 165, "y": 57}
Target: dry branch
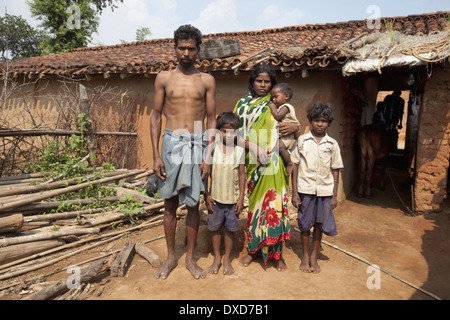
{"x": 86, "y": 275}
{"x": 53, "y": 193}
{"x": 48, "y": 235}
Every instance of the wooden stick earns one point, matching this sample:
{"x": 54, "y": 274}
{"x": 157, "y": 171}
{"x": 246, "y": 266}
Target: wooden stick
{"x": 86, "y": 274}
{"x": 48, "y": 235}
{"x": 48, "y": 185}
{"x": 41, "y": 276}
{"x": 148, "y": 254}
{"x": 115, "y": 235}
{"x": 53, "y": 193}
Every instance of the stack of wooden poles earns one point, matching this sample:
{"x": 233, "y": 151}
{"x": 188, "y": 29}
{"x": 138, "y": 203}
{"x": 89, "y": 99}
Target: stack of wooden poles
{"x": 31, "y": 240}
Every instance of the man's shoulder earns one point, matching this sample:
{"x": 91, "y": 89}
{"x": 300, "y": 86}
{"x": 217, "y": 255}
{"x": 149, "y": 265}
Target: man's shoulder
{"x": 206, "y": 76}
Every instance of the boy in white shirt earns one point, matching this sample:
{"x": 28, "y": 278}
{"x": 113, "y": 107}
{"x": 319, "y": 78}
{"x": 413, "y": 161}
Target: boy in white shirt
{"x": 315, "y": 177}
{"x": 226, "y": 198}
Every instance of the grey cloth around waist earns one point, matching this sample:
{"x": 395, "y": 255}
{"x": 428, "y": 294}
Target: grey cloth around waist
{"x": 182, "y": 154}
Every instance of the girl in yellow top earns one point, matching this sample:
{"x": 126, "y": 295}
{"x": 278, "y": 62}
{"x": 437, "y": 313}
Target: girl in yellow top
{"x": 226, "y": 198}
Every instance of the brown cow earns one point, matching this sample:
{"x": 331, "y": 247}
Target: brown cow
{"x": 373, "y": 146}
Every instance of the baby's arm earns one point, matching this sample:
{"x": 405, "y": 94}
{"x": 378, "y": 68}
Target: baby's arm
{"x": 278, "y": 114}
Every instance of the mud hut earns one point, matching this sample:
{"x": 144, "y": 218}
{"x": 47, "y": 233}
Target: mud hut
{"x": 322, "y": 62}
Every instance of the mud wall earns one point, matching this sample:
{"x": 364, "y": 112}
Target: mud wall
{"x": 432, "y": 159}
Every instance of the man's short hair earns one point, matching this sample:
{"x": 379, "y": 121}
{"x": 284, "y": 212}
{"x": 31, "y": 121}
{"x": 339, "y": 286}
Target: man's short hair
{"x": 186, "y": 32}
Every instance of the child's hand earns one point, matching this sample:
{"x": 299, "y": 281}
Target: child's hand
{"x": 209, "y": 201}
{"x": 263, "y": 155}
{"x": 239, "y": 207}
{"x": 295, "y": 200}
{"x": 333, "y": 202}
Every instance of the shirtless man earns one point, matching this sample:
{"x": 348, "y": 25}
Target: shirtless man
{"x": 186, "y": 96}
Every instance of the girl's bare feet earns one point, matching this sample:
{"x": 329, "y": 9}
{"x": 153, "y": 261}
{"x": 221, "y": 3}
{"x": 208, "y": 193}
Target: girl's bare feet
{"x": 214, "y": 268}
{"x": 227, "y": 268}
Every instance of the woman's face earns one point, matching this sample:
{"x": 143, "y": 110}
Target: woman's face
{"x": 262, "y": 84}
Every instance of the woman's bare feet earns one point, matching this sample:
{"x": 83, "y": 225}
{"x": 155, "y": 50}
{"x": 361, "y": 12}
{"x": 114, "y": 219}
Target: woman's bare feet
{"x": 280, "y": 265}
{"x": 164, "y": 270}
{"x": 245, "y": 261}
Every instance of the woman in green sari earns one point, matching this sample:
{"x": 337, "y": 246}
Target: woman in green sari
{"x": 268, "y": 221}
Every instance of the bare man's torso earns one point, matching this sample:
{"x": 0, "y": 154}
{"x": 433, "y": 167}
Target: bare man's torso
{"x": 185, "y": 99}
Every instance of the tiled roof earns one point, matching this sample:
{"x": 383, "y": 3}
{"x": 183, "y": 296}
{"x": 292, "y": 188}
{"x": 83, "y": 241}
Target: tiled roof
{"x": 294, "y": 47}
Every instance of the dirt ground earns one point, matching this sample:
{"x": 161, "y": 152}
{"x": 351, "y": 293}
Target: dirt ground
{"x": 378, "y": 229}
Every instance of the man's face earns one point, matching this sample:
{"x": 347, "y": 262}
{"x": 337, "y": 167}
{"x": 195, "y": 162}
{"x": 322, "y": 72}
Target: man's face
{"x": 186, "y": 52}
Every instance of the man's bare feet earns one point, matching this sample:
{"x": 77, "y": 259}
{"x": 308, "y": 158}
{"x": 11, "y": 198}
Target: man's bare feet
{"x": 245, "y": 261}
{"x": 304, "y": 266}
{"x": 195, "y": 270}
{"x": 227, "y": 268}
{"x": 164, "y": 270}
{"x": 214, "y": 268}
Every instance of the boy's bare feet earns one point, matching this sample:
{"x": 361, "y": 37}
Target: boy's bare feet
{"x": 314, "y": 265}
{"x": 304, "y": 266}
{"x": 164, "y": 270}
{"x": 214, "y": 268}
{"x": 245, "y": 261}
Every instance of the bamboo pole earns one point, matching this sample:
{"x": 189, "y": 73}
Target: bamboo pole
{"x": 53, "y": 193}
{"x": 115, "y": 235}
{"x": 47, "y": 235}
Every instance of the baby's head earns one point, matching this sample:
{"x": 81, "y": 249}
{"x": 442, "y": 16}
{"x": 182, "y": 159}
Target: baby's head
{"x": 281, "y": 93}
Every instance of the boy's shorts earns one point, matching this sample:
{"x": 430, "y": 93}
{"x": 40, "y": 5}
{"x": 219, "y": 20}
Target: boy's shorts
{"x": 314, "y": 210}
{"x": 223, "y": 215}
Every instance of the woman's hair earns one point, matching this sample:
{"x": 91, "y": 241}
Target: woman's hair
{"x": 186, "y": 32}
{"x": 320, "y": 109}
{"x": 285, "y": 88}
{"x": 229, "y": 118}
{"x": 261, "y": 69}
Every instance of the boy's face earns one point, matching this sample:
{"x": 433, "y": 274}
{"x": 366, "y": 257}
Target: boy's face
{"x": 278, "y": 98}
{"x": 320, "y": 125}
{"x": 228, "y": 134}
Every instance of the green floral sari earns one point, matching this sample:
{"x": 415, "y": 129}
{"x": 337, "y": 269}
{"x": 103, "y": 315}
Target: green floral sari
{"x": 268, "y": 221}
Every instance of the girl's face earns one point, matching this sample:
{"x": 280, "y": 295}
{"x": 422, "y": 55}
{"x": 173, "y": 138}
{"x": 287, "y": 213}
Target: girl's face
{"x": 229, "y": 134}
{"x": 320, "y": 125}
{"x": 262, "y": 84}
